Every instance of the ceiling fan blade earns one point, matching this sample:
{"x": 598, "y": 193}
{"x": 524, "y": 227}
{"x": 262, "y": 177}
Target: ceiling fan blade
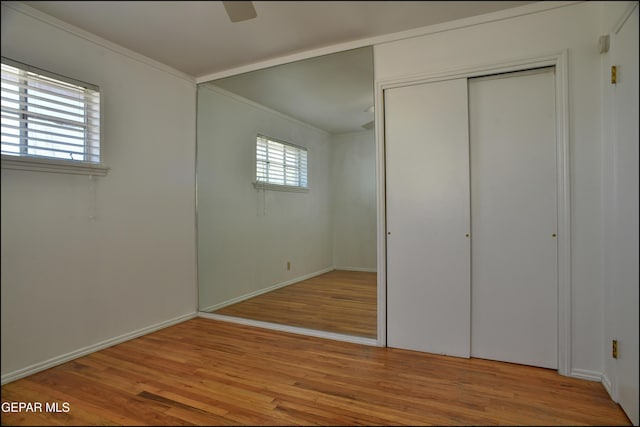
{"x": 240, "y": 10}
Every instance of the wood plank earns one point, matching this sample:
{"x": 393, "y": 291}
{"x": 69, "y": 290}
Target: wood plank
{"x": 207, "y": 372}
{"x": 339, "y": 301}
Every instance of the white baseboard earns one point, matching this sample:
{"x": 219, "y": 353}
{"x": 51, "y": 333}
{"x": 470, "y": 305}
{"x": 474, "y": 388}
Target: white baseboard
{"x": 41, "y": 366}
{"x": 363, "y": 269}
{"x": 244, "y": 297}
{"x": 585, "y": 374}
{"x": 606, "y": 383}
{"x": 292, "y": 329}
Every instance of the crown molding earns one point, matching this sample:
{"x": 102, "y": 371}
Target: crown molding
{"x": 64, "y": 26}
{"x": 540, "y": 6}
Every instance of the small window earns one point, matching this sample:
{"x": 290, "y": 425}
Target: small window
{"x": 280, "y": 165}
{"x": 48, "y": 118}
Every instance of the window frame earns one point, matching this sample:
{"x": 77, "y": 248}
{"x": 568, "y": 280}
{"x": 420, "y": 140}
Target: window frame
{"x": 261, "y": 185}
{"x": 52, "y": 164}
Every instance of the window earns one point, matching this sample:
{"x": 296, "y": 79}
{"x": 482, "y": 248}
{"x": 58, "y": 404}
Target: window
{"x": 280, "y": 165}
{"x": 48, "y": 120}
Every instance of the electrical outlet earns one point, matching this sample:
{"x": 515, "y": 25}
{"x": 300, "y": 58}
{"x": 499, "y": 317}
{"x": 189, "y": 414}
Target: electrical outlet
{"x": 288, "y": 265}
{"x": 614, "y": 349}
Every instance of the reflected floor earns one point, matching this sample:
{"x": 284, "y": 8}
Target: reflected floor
{"x": 340, "y": 301}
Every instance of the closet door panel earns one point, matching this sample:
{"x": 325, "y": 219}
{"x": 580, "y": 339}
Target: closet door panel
{"x": 514, "y": 281}
{"x": 428, "y": 252}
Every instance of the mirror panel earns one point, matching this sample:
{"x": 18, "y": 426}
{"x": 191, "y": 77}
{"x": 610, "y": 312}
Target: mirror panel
{"x": 306, "y": 257}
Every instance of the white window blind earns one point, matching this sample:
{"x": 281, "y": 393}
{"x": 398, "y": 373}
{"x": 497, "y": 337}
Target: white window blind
{"x": 45, "y": 116}
{"x": 280, "y": 164}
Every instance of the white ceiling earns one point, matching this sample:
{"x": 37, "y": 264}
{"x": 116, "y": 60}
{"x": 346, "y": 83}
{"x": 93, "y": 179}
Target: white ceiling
{"x": 331, "y": 92}
{"x": 196, "y": 37}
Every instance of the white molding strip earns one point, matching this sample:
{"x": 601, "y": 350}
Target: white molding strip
{"x": 381, "y": 210}
{"x": 244, "y": 297}
{"x": 254, "y": 104}
{"x": 556, "y": 58}
{"x": 362, "y": 269}
{"x": 292, "y": 329}
{"x": 41, "y": 366}
{"x": 563, "y": 167}
{"x": 61, "y": 25}
{"x": 608, "y": 386}
{"x": 277, "y": 187}
{"x": 586, "y": 374}
{"x": 387, "y": 38}
{"x": 623, "y": 19}
{"x": 53, "y": 166}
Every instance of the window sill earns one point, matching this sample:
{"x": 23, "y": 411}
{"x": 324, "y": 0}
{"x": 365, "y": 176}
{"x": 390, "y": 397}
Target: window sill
{"x": 276, "y": 187}
{"x": 53, "y": 166}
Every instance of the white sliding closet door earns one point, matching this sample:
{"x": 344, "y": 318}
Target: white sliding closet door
{"x": 428, "y": 266}
{"x": 514, "y": 282}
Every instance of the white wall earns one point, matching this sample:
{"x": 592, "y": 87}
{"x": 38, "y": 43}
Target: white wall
{"x": 70, "y": 283}
{"x": 246, "y": 236}
{"x": 353, "y": 174}
{"x": 576, "y": 28}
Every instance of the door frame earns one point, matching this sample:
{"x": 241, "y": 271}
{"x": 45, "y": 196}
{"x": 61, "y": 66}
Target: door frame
{"x": 557, "y": 59}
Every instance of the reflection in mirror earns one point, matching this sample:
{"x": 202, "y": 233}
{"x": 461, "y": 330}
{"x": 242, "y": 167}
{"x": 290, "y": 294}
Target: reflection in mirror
{"x": 286, "y": 195}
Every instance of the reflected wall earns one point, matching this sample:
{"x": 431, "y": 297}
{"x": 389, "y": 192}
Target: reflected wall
{"x": 250, "y": 240}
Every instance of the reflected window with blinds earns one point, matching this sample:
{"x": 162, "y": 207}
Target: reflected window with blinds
{"x": 48, "y": 117}
{"x": 280, "y": 165}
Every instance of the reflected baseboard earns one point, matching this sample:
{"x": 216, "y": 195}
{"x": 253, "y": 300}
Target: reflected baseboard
{"x": 271, "y": 288}
{"x": 292, "y": 329}
{"x": 362, "y": 269}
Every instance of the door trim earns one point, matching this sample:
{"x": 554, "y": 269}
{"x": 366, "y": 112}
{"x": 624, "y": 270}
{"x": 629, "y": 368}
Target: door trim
{"x": 559, "y": 61}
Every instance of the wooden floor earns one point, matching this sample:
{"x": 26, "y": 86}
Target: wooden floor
{"x": 207, "y": 372}
{"x": 338, "y": 301}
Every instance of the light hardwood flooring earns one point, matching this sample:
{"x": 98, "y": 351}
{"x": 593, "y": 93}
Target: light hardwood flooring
{"x": 208, "y": 372}
{"x": 338, "y": 301}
